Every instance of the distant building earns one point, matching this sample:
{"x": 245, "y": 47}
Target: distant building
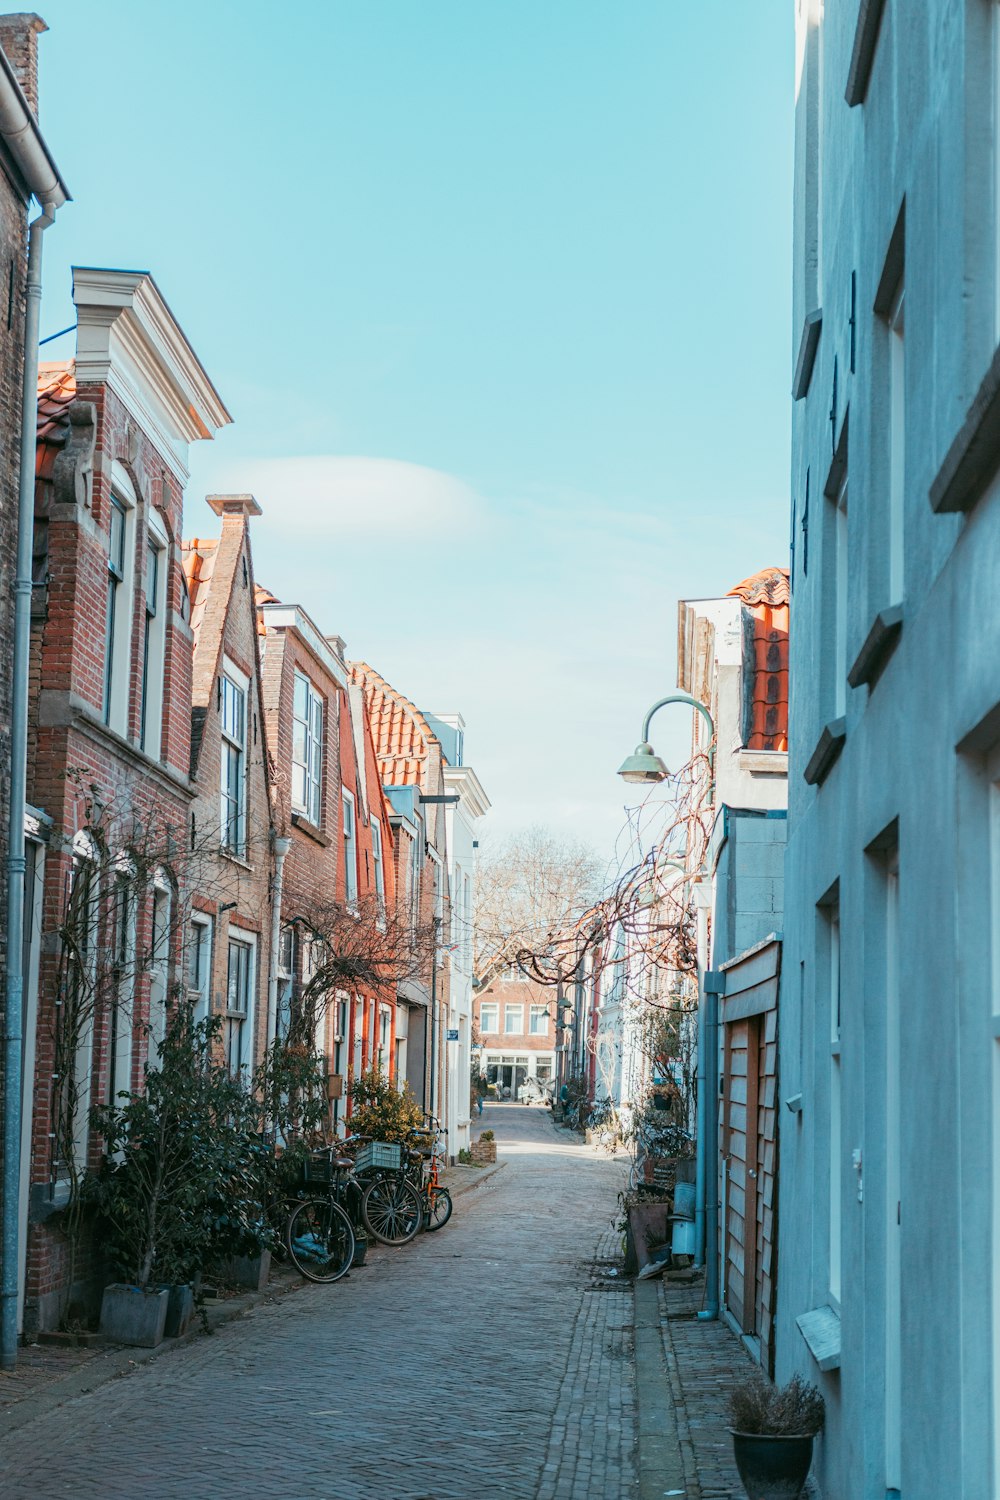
{"x": 517, "y": 1023}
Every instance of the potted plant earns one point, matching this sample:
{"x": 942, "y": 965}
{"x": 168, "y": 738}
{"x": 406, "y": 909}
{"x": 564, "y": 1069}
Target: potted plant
{"x": 773, "y": 1431}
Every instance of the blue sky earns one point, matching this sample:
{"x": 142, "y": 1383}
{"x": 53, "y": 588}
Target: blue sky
{"x": 498, "y": 294}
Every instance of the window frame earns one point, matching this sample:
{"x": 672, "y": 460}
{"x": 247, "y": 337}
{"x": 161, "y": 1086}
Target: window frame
{"x": 238, "y": 1025}
{"x": 538, "y": 1013}
{"x": 494, "y": 1007}
{"x": 310, "y": 803}
{"x": 231, "y": 677}
{"x": 349, "y": 830}
{"x": 510, "y": 1008}
{"x": 159, "y": 961}
{"x": 154, "y": 644}
{"x": 201, "y": 936}
{"x": 120, "y": 600}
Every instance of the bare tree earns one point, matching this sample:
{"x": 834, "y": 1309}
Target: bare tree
{"x": 530, "y": 887}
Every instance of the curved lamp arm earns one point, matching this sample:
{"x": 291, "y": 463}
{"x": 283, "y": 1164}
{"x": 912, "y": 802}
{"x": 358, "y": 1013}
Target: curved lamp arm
{"x": 692, "y": 703}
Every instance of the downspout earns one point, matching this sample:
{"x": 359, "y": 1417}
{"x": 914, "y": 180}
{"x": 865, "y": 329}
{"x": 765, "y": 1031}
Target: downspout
{"x": 281, "y": 848}
{"x": 14, "y": 1008}
{"x": 433, "y": 1018}
{"x": 713, "y": 984}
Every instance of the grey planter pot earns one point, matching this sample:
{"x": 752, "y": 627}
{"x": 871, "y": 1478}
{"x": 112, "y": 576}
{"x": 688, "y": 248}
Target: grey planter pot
{"x": 772, "y": 1467}
{"x": 180, "y": 1311}
{"x": 131, "y": 1315}
{"x": 250, "y": 1270}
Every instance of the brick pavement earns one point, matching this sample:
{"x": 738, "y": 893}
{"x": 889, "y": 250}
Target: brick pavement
{"x": 492, "y": 1358}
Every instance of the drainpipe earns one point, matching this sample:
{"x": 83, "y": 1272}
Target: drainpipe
{"x": 14, "y": 1010}
{"x": 433, "y": 1018}
{"x": 712, "y": 987}
{"x": 281, "y": 848}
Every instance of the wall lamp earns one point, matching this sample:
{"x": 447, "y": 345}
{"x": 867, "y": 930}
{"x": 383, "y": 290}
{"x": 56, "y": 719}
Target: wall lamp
{"x": 644, "y": 767}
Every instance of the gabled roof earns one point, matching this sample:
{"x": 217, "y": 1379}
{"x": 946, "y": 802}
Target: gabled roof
{"x": 403, "y": 738}
{"x": 769, "y": 586}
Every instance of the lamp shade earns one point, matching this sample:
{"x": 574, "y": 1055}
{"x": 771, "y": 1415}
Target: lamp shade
{"x": 644, "y": 767}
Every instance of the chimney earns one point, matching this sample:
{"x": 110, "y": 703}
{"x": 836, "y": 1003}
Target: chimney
{"x": 19, "y": 40}
{"x": 233, "y": 505}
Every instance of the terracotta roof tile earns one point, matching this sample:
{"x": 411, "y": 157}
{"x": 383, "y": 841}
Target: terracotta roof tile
{"x": 56, "y": 391}
{"x": 262, "y": 596}
{"x": 400, "y": 732}
{"x": 198, "y": 560}
{"x": 766, "y": 596}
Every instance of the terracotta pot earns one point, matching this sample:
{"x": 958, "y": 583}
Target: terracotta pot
{"x": 772, "y": 1467}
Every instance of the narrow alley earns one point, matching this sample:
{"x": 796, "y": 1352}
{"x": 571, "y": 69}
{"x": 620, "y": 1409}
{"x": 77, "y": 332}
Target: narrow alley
{"x": 508, "y": 1343}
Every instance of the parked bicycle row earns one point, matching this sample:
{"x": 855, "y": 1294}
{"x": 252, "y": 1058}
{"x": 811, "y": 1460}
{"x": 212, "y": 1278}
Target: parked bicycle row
{"x": 359, "y": 1189}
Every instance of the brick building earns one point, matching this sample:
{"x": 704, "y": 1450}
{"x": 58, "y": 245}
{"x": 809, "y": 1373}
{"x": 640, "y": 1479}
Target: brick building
{"x": 26, "y": 171}
{"x": 516, "y": 1017}
{"x": 327, "y": 801}
{"x": 229, "y": 937}
{"x": 109, "y": 736}
{"x": 411, "y": 766}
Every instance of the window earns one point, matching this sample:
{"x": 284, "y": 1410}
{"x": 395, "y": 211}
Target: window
{"x": 543, "y": 1069}
{"x": 384, "y": 1034}
{"x": 238, "y": 1034}
{"x": 199, "y": 966}
{"x": 234, "y": 781}
{"x": 286, "y": 982}
{"x": 897, "y": 436}
{"x": 307, "y": 750}
{"x": 154, "y": 639}
{"x": 377, "y": 866}
{"x": 82, "y": 918}
{"x": 350, "y": 850}
{"x": 832, "y": 920}
{"x": 438, "y": 872}
{"x": 159, "y": 969}
{"x": 489, "y": 1017}
{"x": 415, "y": 852}
{"x": 123, "y": 987}
{"x": 513, "y": 1019}
{"x": 840, "y": 602}
{"x": 118, "y": 614}
{"x": 538, "y": 1022}
{"x": 467, "y": 919}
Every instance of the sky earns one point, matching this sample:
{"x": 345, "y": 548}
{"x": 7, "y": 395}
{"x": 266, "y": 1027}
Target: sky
{"x": 498, "y": 295}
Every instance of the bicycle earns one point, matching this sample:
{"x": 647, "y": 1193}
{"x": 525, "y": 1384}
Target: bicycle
{"x": 319, "y": 1234}
{"x": 391, "y": 1208}
{"x": 435, "y": 1200}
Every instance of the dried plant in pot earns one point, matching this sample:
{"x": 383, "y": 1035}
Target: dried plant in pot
{"x": 773, "y": 1428}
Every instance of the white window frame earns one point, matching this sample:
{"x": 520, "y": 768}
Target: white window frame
{"x": 234, "y": 742}
{"x": 510, "y": 1009}
{"x": 85, "y": 866}
{"x": 494, "y": 1008}
{"x": 540, "y": 1014}
{"x": 199, "y": 991}
{"x": 284, "y": 967}
{"x": 161, "y": 913}
{"x": 378, "y": 866}
{"x": 307, "y": 767}
{"x": 349, "y": 826}
{"x": 415, "y": 873}
{"x": 120, "y": 603}
{"x": 438, "y": 865}
{"x": 384, "y": 1039}
{"x": 238, "y": 1033}
{"x": 122, "y": 1019}
{"x": 154, "y": 643}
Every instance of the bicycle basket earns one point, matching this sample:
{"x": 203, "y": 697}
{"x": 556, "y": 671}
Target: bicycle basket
{"x": 388, "y": 1154}
{"x": 318, "y": 1170}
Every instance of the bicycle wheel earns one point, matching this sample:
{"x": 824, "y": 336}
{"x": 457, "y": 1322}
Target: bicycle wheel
{"x": 320, "y": 1240}
{"x": 391, "y": 1210}
{"x": 440, "y": 1210}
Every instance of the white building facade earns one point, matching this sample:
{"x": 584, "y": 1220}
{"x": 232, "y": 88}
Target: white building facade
{"x": 888, "y": 1288}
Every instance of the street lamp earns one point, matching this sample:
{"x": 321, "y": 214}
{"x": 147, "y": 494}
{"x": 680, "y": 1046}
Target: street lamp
{"x": 644, "y": 767}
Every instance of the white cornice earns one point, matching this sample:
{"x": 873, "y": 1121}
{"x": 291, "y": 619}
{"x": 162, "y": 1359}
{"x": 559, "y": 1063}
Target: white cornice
{"x": 293, "y": 617}
{"x": 465, "y": 781}
{"x": 127, "y": 336}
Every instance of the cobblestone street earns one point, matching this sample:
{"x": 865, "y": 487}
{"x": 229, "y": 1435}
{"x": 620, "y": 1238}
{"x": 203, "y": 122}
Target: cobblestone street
{"x": 493, "y": 1358}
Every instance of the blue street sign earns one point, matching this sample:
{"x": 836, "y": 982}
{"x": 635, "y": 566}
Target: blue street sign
{"x": 453, "y": 1036}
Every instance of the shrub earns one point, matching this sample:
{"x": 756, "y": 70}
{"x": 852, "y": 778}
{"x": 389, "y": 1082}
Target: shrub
{"x": 379, "y": 1110}
{"x": 465, "y": 1158}
{"x": 486, "y": 1135}
{"x": 795, "y": 1409}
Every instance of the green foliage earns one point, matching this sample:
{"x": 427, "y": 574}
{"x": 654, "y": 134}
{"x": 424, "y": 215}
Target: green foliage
{"x": 179, "y": 1185}
{"x": 792, "y": 1410}
{"x": 379, "y": 1110}
{"x": 465, "y": 1157}
{"x": 486, "y": 1135}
